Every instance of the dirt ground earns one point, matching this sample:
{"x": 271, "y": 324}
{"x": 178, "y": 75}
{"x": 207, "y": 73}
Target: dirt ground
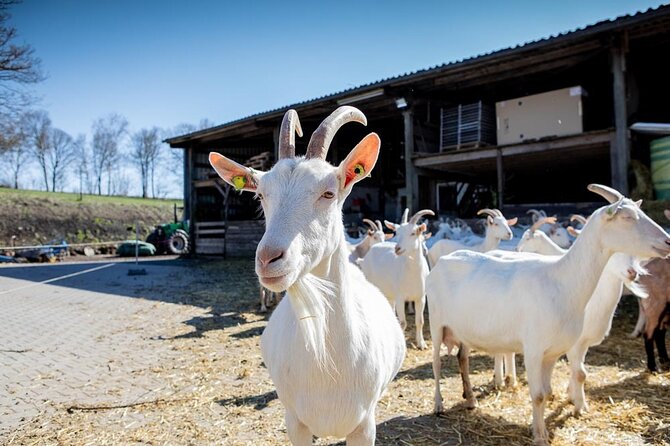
{"x": 222, "y": 393}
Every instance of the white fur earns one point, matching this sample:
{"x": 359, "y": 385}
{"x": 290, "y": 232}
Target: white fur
{"x": 361, "y": 249}
{"x": 399, "y": 270}
{"x": 534, "y": 305}
{"x": 497, "y": 229}
{"x": 333, "y": 345}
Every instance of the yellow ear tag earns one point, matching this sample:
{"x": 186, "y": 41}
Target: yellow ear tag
{"x": 359, "y": 170}
{"x": 239, "y": 181}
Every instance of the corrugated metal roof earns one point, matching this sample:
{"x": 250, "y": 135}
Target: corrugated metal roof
{"x": 601, "y": 26}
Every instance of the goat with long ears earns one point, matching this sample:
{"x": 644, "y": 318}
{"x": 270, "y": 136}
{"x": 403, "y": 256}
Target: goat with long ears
{"x": 333, "y": 344}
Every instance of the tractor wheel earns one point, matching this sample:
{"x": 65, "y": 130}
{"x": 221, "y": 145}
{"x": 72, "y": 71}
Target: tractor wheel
{"x": 178, "y": 243}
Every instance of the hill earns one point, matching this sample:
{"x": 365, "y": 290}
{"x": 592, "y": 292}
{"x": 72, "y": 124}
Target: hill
{"x": 36, "y": 217}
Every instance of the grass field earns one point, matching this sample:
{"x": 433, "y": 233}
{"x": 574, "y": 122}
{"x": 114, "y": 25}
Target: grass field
{"x": 34, "y": 217}
{"x": 68, "y": 197}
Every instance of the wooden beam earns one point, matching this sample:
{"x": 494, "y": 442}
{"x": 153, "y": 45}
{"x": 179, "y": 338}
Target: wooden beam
{"x": 585, "y": 140}
{"x": 620, "y": 149}
{"x": 411, "y": 179}
{"x": 190, "y": 195}
{"x": 501, "y": 177}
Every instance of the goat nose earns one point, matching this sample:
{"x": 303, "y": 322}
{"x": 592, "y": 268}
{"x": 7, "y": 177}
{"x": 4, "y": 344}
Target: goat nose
{"x": 269, "y": 255}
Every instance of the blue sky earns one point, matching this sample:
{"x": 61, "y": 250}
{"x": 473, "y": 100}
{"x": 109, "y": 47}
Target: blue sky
{"x": 168, "y": 62}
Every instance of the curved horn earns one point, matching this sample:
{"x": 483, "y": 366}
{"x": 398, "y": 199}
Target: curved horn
{"x": 488, "y": 211}
{"x": 290, "y": 125}
{"x": 579, "y": 218}
{"x": 371, "y": 224}
{"x": 405, "y": 214}
{"x": 323, "y": 135}
{"x": 541, "y": 221}
{"x": 609, "y": 194}
{"x": 415, "y": 218}
{"x": 379, "y": 225}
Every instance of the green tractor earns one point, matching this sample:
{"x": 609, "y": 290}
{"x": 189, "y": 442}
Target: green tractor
{"x": 171, "y": 238}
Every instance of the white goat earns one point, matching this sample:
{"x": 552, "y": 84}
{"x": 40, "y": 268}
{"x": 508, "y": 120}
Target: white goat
{"x": 535, "y": 240}
{"x": 374, "y": 235}
{"x": 620, "y": 269}
{"x": 497, "y": 229}
{"x": 534, "y": 304}
{"x": 333, "y": 345}
{"x": 399, "y": 269}
{"x": 555, "y": 231}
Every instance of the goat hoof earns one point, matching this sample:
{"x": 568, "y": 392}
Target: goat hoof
{"x": 438, "y": 409}
{"x": 471, "y": 403}
{"x": 422, "y": 345}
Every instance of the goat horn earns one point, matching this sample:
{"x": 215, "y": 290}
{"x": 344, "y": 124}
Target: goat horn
{"x": 488, "y": 211}
{"x": 371, "y": 224}
{"x": 580, "y": 218}
{"x": 323, "y": 135}
{"x": 415, "y": 218}
{"x": 405, "y": 214}
{"x": 379, "y": 225}
{"x": 541, "y": 221}
{"x": 609, "y": 194}
{"x": 290, "y": 125}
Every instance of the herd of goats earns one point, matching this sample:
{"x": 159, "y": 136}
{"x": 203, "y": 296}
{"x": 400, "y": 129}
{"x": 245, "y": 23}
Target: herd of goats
{"x": 334, "y": 343}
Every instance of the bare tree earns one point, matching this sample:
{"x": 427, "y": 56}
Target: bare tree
{"x": 61, "y": 153}
{"x": 146, "y": 145}
{"x": 18, "y": 66}
{"x": 38, "y": 129}
{"x": 13, "y": 148}
{"x": 108, "y": 133}
{"x": 82, "y": 164}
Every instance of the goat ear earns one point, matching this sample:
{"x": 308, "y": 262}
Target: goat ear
{"x": 512, "y": 221}
{"x": 238, "y": 176}
{"x": 388, "y": 236}
{"x": 391, "y": 226}
{"x": 573, "y": 232}
{"x": 489, "y": 220}
{"x": 360, "y": 161}
{"x": 421, "y": 228}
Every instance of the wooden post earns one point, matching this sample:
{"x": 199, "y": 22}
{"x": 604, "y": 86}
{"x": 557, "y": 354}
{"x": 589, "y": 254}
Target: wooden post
{"x": 275, "y": 142}
{"x": 190, "y": 196}
{"x": 411, "y": 177}
{"x": 501, "y": 178}
{"x": 620, "y": 149}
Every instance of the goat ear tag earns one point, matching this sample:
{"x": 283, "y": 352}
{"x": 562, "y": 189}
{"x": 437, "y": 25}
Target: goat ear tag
{"x": 239, "y": 181}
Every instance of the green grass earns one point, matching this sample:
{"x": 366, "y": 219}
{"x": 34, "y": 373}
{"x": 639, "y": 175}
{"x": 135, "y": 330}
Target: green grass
{"x": 74, "y": 197}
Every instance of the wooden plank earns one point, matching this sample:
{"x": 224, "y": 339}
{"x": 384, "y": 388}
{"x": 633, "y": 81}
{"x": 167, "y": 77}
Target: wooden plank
{"x": 206, "y": 224}
{"x": 200, "y": 232}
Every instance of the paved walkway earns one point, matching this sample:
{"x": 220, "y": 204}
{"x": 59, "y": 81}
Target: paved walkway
{"x": 83, "y": 338}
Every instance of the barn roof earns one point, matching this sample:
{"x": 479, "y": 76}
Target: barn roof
{"x": 565, "y": 39}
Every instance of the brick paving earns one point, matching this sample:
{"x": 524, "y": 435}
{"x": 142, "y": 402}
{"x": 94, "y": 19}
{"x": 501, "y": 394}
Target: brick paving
{"x": 83, "y": 340}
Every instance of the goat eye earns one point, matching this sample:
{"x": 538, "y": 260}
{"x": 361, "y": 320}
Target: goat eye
{"x": 328, "y": 194}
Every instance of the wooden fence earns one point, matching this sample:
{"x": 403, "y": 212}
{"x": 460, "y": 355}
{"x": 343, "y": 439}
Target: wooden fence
{"x": 239, "y": 239}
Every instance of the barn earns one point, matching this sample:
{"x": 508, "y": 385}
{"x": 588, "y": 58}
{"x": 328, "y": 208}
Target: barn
{"x": 528, "y": 126}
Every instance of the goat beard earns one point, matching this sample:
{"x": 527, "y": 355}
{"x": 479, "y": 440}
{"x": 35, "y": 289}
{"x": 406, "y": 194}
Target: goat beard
{"x": 310, "y": 300}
